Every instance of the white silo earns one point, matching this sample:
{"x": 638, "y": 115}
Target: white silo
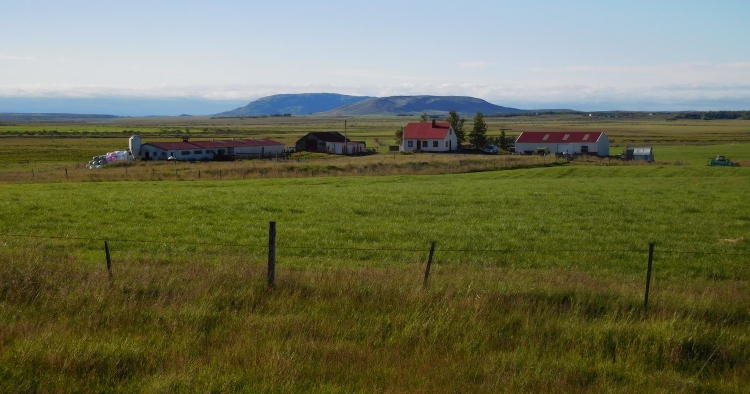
{"x": 135, "y": 146}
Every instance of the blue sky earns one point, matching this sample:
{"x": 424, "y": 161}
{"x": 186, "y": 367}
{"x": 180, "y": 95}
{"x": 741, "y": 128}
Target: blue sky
{"x": 588, "y": 55}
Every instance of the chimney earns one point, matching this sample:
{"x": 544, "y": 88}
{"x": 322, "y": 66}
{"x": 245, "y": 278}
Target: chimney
{"x": 433, "y": 123}
{"x": 184, "y": 139}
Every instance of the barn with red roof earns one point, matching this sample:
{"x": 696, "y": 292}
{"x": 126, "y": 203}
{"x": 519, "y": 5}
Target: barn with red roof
{"x": 429, "y": 137}
{"x": 209, "y": 150}
{"x": 570, "y": 142}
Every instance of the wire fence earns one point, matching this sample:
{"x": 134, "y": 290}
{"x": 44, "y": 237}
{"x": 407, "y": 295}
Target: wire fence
{"x": 366, "y": 249}
{"x": 420, "y": 255}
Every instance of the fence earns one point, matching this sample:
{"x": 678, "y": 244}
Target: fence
{"x": 428, "y": 254}
{"x": 422, "y": 164}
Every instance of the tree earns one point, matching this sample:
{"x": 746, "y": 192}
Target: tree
{"x": 458, "y": 126}
{"x": 478, "y": 135}
{"x": 399, "y": 133}
{"x": 424, "y": 117}
{"x": 504, "y": 141}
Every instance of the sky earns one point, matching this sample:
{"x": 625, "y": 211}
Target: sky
{"x": 585, "y": 55}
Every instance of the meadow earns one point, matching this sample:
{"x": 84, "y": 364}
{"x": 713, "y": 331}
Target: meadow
{"x": 537, "y": 283}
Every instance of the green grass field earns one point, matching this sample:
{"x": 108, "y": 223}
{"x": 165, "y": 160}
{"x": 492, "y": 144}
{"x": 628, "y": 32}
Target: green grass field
{"x": 537, "y": 283}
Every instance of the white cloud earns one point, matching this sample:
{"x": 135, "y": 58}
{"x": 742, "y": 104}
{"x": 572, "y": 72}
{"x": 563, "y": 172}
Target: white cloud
{"x": 5, "y": 56}
{"x": 671, "y": 86}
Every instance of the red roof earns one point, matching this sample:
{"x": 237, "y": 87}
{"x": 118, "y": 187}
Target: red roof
{"x": 212, "y": 144}
{"x": 433, "y": 131}
{"x": 173, "y": 145}
{"x": 560, "y": 137}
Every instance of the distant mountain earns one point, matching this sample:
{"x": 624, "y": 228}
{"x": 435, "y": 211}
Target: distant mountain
{"x": 295, "y": 104}
{"x": 434, "y": 105}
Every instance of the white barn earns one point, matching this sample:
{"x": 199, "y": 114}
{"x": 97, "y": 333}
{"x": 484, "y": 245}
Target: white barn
{"x": 429, "y": 137}
{"x": 570, "y": 142}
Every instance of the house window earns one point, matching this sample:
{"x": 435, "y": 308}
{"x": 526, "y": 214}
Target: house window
{"x": 424, "y": 143}
{"x": 163, "y": 154}
{"x": 584, "y": 149}
{"x": 446, "y": 144}
{"x": 209, "y": 151}
{"x": 221, "y": 151}
{"x": 198, "y": 152}
{"x": 435, "y": 144}
{"x": 410, "y": 144}
{"x": 185, "y": 153}
{"x": 565, "y": 137}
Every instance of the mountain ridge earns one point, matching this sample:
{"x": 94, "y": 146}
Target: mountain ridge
{"x": 410, "y": 105}
{"x": 294, "y": 104}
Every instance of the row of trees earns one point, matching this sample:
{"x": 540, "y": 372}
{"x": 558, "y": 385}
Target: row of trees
{"x": 477, "y": 137}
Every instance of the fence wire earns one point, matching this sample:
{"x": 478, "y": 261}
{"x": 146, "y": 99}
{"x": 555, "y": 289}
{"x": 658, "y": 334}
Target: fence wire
{"x": 413, "y": 250}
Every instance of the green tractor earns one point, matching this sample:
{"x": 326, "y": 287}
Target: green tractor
{"x": 721, "y": 161}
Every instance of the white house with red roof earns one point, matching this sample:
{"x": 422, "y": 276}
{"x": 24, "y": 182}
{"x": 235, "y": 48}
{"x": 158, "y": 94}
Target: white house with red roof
{"x": 570, "y": 142}
{"x": 209, "y": 150}
{"x": 429, "y": 137}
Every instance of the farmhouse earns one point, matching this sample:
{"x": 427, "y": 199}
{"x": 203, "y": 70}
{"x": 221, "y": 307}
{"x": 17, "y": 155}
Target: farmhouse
{"x": 205, "y": 150}
{"x": 429, "y": 137}
{"x": 329, "y": 142}
{"x": 570, "y": 142}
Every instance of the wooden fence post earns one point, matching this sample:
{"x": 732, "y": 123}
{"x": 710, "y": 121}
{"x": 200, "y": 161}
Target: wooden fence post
{"x": 271, "y": 254}
{"x": 648, "y": 274}
{"x": 199, "y": 174}
{"x": 219, "y": 174}
{"x": 429, "y": 264}
{"x": 109, "y": 261}
{"x": 66, "y": 172}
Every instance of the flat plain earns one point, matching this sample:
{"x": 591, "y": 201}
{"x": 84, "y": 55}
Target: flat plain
{"x": 537, "y": 282}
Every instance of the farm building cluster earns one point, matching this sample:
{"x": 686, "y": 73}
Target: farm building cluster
{"x": 417, "y": 137}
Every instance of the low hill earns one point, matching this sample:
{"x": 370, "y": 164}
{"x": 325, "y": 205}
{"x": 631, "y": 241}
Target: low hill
{"x": 295, "y": 104}
{"x": 51, "y": 116}
{"x": 410, "y": 105}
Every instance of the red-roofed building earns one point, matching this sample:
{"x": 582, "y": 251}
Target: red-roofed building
{"x": 570, "y": 142}
{"x": 429, "y": 137}
{"x": 210, "y": 150}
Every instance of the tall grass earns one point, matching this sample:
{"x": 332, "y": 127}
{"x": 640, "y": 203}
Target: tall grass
{"x": 188, "y": 325}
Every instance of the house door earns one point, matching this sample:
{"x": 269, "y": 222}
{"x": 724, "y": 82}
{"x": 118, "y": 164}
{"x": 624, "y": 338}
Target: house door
{"x": 147, "y": 152}
{"x": 311, "y": 145}
{"x": 419, "y": 144}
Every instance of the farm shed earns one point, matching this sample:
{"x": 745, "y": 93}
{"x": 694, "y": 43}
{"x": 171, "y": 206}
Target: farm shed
{"x": 329, "y": 142}
{"x": 644, "y": 153}
{"x": 429, "y": 137}
{"x": 208, "y": 150}
{"x": 570, "y": 142}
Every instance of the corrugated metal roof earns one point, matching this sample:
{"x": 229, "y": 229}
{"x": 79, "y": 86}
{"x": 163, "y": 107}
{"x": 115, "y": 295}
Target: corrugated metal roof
{"x": 559, "y": 136}
{"x": 213, "y": 144}
{"x": 426, "y": 130}
{"x": 642, "y": 151}
{"x": 173, "y": 145}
